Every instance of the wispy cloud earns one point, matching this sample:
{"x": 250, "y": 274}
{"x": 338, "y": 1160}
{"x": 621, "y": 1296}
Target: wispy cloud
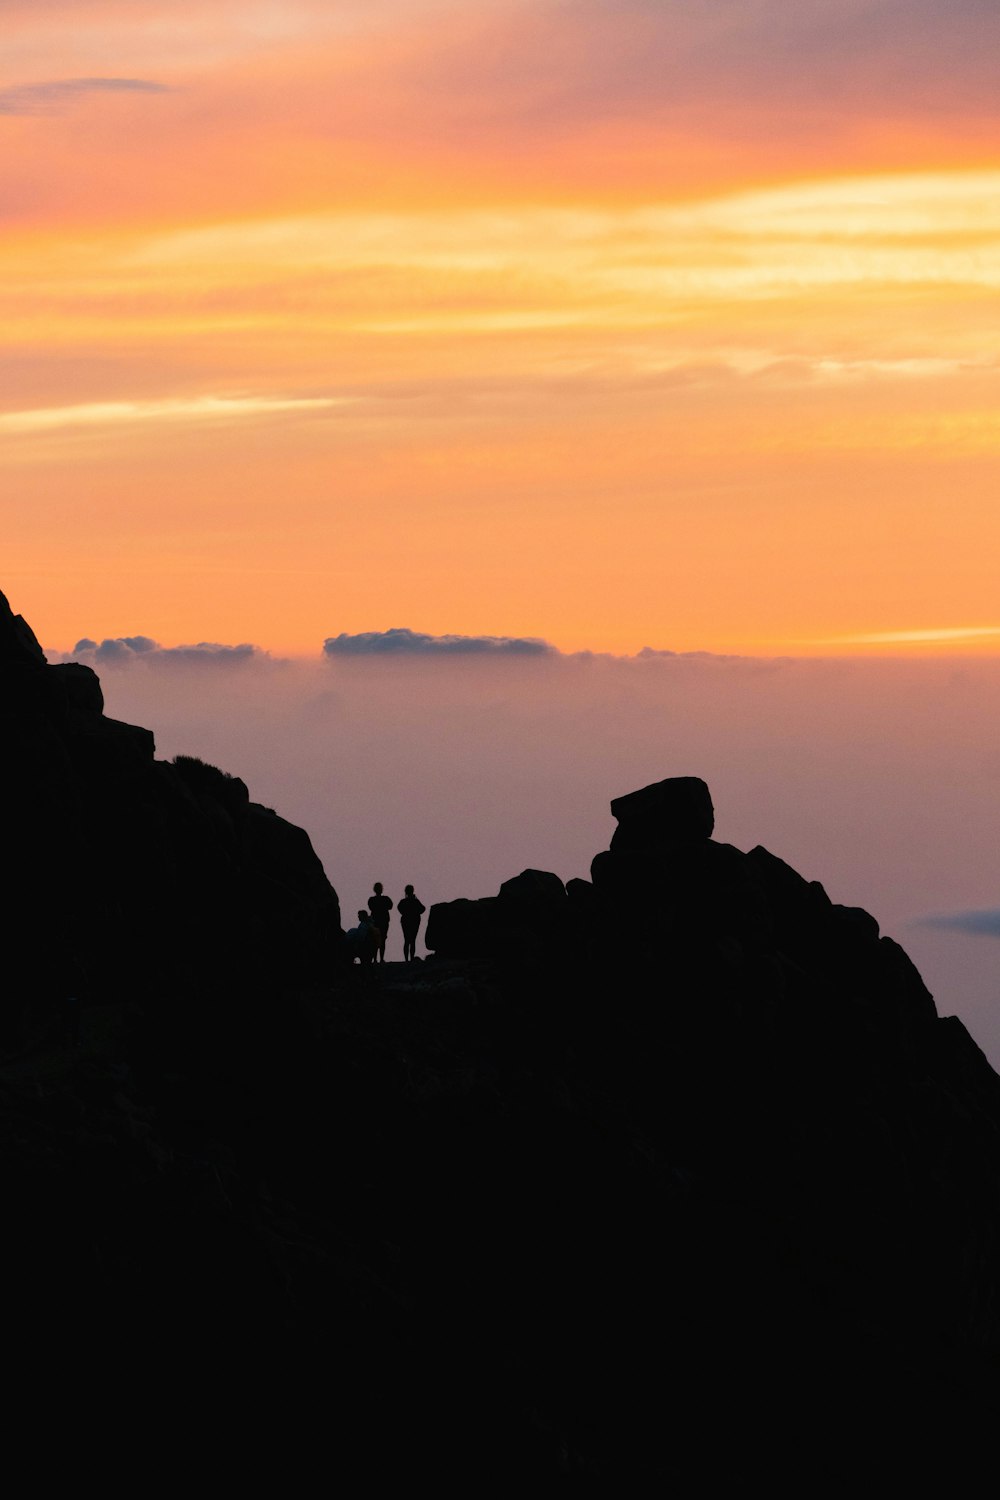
{"x": 835, "y": 229}
{"x": 173, "y": 409}
{"x": 948, "y": 635}
{"x": 59, "y": 93}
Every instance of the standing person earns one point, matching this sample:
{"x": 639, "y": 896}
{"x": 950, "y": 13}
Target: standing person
{"x": 410, "y": 911}
{"x": 380, "y": 906}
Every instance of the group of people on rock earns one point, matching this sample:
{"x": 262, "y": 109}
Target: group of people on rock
{"x": 367, "y": 941}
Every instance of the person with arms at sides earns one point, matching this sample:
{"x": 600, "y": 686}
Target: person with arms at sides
{"x": 380, "y": 906}
{"x": 410, "y": 911}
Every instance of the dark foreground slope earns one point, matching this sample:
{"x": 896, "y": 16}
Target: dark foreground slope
{"x": 674, "y": 1174}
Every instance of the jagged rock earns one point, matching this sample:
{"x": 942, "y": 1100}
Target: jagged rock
{"x": 18, "y": 644}
{"x": 109, "y": 839}
{"x": 792, "y": 898}
{"x": 213, "y": 785}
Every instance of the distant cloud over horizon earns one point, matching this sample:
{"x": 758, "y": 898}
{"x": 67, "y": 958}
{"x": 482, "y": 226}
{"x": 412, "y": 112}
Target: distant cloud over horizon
{"x": 48, "y": 97}
{"x": 123, "y": 650}
{"x": 399, "y": 641}
{"x": 984, "y": 923}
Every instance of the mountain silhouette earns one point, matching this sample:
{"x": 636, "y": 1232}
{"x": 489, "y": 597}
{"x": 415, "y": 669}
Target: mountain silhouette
{"x": 675, "y": 1174}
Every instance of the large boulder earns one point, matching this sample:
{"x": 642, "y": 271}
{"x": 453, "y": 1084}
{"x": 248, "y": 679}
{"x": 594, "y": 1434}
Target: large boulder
{"x": 535, "y": 890}
{"x": 678, "y": 808}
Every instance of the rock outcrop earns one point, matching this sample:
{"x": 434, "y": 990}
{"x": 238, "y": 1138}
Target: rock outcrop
{"x": 678, "y": 808}
{"x": 673, "y": 1175}
{"x": 127, "y": 872}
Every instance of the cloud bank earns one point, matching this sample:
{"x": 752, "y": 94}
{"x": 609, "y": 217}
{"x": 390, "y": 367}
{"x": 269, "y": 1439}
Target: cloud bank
{"x": 400, "y": 641}
{"x": 123, "y": 650}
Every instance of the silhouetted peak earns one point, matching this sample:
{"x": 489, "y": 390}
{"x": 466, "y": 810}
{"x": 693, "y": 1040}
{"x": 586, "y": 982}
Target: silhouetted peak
{"x": 18, "y": 643}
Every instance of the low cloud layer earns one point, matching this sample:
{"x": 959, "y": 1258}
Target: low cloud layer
{"x": 397, "y": 644}
{"x": 57, "y": 94}
{"x": 981, "y": 923}
{"x": 123, "y": 650}
{"x": 402, "y": 642}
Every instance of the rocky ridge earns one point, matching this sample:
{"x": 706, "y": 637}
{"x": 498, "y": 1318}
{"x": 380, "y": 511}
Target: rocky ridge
{"x": 712, "y": 1192}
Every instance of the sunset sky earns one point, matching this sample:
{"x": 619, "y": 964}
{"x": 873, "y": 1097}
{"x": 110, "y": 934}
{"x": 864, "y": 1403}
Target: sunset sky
{"x": 617, "y": 323}
{"x": 465, "y": 350}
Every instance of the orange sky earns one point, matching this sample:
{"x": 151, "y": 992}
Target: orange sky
{"x": 615, "y": 324}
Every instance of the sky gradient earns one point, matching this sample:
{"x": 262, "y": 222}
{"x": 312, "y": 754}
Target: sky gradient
{"x": 583, "y": 332}
{"x": 615, "y": 324}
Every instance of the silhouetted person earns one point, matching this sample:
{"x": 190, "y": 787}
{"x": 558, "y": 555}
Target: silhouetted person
{"x": 380, "y": 906}
{"x": 410, "y": 911}
{"x": 363, "y": 940}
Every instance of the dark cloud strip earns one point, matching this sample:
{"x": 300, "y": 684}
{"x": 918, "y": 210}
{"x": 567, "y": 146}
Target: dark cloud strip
{"x": 49, "y": 98}
{"x": 402, "y": 642}
{"x": 397, "y": 643}
{"x": 979, "y": 923}
{"x": 124, "y": 649}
